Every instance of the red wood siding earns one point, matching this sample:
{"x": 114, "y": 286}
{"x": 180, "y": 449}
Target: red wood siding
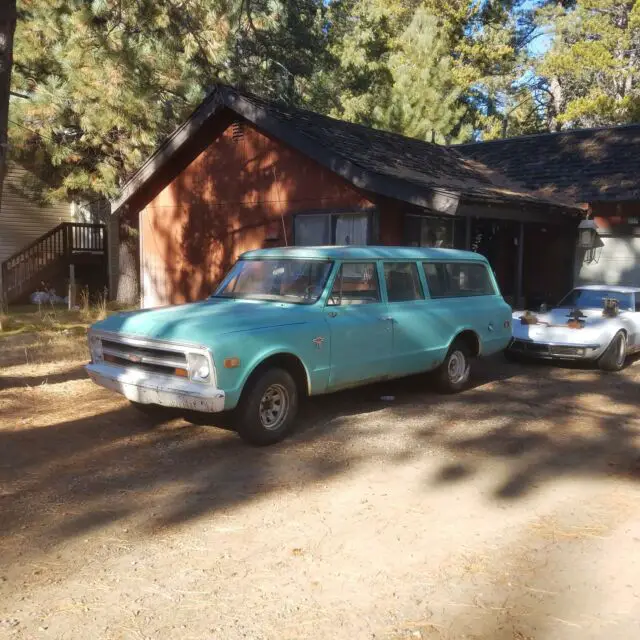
{"x": 230, "y": 199}
{"x": 613, "y": 216}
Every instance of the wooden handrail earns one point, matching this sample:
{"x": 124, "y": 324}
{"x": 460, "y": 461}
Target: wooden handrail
{"x": 61, "y": 242}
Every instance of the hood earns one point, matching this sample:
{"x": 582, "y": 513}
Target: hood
{"x": 197, "y": 322}
{"x": 560, "y": 317}
{"x": 552, "y": 327}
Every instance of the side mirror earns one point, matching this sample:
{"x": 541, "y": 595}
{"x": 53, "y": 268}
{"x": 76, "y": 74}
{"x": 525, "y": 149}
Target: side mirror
{"x": 544, "y": 307}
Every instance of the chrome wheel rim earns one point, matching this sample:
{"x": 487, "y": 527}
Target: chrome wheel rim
{"x": 457, "y": 366}
{"x": 274, "y": 406}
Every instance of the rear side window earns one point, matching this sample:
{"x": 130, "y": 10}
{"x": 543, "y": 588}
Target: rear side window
{"x": 458, "y": 279}
{"x": 403, "y": 281}
{"x": 356, "y": 283}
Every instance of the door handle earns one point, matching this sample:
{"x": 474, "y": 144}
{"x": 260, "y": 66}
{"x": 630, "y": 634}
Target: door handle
{"x": 386, "y": 318}
{"x": 332, "y": 314}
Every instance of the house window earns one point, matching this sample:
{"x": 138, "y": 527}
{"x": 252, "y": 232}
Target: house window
{"x": 424, "y": 231}
{"x": 312, "y": 230}
{"x": 316, "y": 229}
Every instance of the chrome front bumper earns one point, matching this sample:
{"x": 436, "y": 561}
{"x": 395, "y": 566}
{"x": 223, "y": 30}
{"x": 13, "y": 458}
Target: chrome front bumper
{"x": 149, "y": 388}
{"x": 555, "y": 350}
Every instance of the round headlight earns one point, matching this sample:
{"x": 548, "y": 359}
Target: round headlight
{"x": 203, "y": 371}
{"x": 199, "y": 367}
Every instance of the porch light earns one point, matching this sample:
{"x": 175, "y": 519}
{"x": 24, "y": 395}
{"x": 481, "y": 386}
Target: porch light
{"x": 587, "y": 234}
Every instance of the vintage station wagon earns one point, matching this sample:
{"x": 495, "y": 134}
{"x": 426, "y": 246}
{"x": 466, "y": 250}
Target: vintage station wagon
{"x": 292, "y": 322}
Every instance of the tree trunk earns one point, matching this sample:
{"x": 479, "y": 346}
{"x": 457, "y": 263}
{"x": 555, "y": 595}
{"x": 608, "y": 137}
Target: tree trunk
{"x": 7, "y": 29}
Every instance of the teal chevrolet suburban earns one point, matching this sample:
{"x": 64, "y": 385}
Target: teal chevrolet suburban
{"x": 293, "y": 322}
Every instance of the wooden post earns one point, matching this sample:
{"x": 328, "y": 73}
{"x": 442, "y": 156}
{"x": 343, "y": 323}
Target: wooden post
{"x": 520, "y": 269}
{"x": 72, "y": 286}
{"x": 467, "y": 232}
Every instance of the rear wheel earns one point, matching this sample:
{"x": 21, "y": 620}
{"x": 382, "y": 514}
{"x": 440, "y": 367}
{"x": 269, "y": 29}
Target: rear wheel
{"x": 267, "y": 410}
{"x": 614, "y": 357}
{"x": 453, "y": 374}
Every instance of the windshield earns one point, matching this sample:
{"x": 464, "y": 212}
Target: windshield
{"x": 594, "y": 299}
{"x": 295, "y": 281}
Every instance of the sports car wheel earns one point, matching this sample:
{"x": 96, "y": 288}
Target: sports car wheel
{"x": 614, "y": 357}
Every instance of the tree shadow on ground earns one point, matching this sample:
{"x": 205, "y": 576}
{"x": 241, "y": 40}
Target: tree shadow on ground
{"x": 65, "y": 480}
{"x": 10, "y": 382}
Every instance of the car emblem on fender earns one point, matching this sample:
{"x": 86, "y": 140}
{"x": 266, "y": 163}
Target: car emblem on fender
{"x": 319, "y": 341}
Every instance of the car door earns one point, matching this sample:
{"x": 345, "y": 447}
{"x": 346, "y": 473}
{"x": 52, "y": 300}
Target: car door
{"x": 361, "y": 334}
{"x": 464, "y": 296}
{"x": 413, "y": 336}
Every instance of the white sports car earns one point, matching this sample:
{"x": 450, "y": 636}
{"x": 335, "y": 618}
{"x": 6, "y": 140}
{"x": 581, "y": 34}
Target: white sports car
{"x": 597, "y": 323}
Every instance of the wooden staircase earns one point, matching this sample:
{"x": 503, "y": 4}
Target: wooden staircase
{"x": 48, "y": 258}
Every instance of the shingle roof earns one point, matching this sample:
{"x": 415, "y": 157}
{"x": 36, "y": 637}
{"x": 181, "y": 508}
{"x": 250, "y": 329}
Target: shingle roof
{"x": 585, "y": 165}
{"x": 388, "y": 154}
{"x": 381, "y": 162}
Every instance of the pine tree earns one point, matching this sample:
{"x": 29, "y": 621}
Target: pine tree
{"x": 592, "y": 68}
{"x": 108, "y": 80}
{"x": 423, "y": 99}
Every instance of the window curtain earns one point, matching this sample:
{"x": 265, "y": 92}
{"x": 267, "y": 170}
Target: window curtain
{"x": 352, "y": 229}
{"x": 313, "y": 230}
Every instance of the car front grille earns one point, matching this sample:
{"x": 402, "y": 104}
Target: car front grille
{"x": 542, "y": 349}
{"x": 152, "y": 359}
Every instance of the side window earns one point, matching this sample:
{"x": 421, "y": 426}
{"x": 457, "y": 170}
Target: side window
{"x": 638, "y": 302}
{"x": 356, "y": 283}
{"x": 458, "y": 279}
{"x": 436, "y": 275}
{"x": 402, "y": 281}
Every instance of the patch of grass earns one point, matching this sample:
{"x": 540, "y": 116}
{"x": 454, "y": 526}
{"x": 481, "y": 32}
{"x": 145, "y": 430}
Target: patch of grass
{"x": 54, "y": 318}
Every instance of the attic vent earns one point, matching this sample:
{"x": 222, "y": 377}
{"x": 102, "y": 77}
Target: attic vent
{"x": 237, "y": 131}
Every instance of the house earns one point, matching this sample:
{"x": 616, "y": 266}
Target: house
{"x": 243, "y": 172}
{"x": 22, "y": 218}
{"x": 39, "y": 241}
{"x": 598, "y": 168}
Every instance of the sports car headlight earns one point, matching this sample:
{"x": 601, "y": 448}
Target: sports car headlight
{"x": 199, "y": 367}
{"x": 95, "y": 347}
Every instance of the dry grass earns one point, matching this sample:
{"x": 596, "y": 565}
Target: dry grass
{"x": 55, "y": 318}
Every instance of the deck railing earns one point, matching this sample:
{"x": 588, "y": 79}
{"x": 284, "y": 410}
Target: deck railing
{"x": 58, "y": 245}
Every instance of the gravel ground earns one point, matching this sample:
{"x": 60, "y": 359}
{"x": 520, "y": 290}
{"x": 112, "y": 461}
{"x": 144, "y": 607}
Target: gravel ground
{"x": 511, "y": 511}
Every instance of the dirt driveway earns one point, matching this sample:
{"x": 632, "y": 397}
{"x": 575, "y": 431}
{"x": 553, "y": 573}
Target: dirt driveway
{"x": 511, "y": 511}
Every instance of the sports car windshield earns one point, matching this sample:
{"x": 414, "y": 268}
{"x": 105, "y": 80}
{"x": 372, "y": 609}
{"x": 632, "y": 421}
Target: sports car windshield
{"x": 295, "y": 281}
{"x": 593, "y": 299}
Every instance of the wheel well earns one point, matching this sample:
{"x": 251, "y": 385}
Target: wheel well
{"x": 471, "y": 340}
{"x": 289, "y": 363}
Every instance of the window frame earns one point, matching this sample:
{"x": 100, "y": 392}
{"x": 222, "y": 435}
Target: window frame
{"x": 230, "y": 275}
{"x": 422, "y": 291}
{"x": 370, "y": 212}
{"x": 486, "y": 267}
{"x": 337, "y": 273}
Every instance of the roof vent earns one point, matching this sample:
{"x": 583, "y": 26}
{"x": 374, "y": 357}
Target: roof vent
{"x": 237, "y": 131}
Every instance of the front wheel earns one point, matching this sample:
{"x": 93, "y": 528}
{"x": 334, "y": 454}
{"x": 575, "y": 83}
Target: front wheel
{"x": 614, "y": 357}
{"x": 268, "y": 408}
{"x": 453, "y": 374}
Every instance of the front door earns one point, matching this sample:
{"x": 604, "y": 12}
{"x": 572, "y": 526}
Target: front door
{"x": 361, "y": 330}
